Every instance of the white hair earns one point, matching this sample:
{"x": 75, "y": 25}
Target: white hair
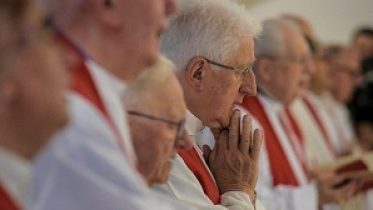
{"x": 150, "y": 78}
{"x": 211, "y": 28}
{"x": 272, "y": 39}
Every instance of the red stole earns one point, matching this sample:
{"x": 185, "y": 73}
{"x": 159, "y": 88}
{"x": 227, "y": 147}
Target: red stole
{"x": 195, "y": 164}
{"x": 6, "y": 202}
{"x": 83, "y": 84}
{"x": 282, "y": 172}
{"x": 296, "y": 140}
{"x": 315, "y": 116}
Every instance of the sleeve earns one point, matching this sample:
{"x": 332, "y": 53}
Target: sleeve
{"x": 84, "y": 169}
{"x": 283, "y": 197}
{"x": 184, "y": 186}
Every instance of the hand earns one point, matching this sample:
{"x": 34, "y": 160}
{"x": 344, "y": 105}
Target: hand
{"x": 234, "y": 159}
{"x": 329, "y": 192}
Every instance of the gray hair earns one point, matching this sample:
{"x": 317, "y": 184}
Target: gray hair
{"x": 272, "y": 40}
{"x": 150, "y": 78}
{"x": 210, "y": 28}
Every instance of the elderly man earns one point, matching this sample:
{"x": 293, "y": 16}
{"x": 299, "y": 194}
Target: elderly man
{"x": 32, "y": 98}
{"x": 345, "y": 71}
{"x": 283, "y": 69}
{"x": 156, "y": 106}
{"x": 211, "y": 43}
{"x": 94, "y": 156}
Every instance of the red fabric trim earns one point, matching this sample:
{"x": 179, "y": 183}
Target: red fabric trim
{"x": 282, "y": 173}
{"x": 195, "y": 164}
{"x": 83, "y": 84}
{"x": 321, "y": 126}
{"x": 6, "y": 202}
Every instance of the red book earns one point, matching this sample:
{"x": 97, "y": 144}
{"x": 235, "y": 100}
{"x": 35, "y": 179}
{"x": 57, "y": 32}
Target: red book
{"x": 357, "y": 165}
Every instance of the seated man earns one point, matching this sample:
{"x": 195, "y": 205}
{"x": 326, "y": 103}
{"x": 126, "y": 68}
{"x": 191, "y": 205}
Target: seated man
{"x": 157, "y": 119}
{"x": 211, "y": 43}
{"x": 32, "y": 101}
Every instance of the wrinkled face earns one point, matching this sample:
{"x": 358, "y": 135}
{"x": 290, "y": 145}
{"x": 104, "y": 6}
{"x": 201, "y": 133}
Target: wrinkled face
{"x": 155, "y": 141}
{"x": 36, "y": 82}
{"x": 144, "y": 20}
{"x": 290, "y": 75}
{"x": 346, "y": 76}
{"x": 225, "y": 88}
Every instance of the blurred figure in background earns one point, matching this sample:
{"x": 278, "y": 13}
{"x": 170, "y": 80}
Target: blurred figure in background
{"x": 345, "y": 77}
{"x": 363, "y": 42}
{"x": 283, "y": 69}
{"x": 92, "y": 163}
{"x": 33, "y": 82}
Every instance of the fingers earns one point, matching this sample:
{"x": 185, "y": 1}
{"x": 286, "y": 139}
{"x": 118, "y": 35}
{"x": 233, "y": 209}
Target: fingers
{"x": 234, "y": 130}
{"x": 221, "y": 144}
{"x": 256, "y": 144}
{"x": 246, "y": 139}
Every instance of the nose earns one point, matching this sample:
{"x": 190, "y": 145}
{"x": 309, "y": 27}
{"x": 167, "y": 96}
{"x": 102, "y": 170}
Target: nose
{"x": 170, "y": 7}
{"x": 185, "y": 142}
{"x": 248, "y": 86}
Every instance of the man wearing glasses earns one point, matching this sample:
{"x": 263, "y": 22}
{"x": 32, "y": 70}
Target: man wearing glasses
{"x": 283, "y": 70}
{"x": 211, "y": 43}
{"x": 345, "y": 71}
{"x": 156, "y": 112}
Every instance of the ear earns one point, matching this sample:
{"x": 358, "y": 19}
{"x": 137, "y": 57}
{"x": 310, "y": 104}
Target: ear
{"x": 195, "y": 73}
{"x": 109, "y": 12}
{"x": 263, "y": 69}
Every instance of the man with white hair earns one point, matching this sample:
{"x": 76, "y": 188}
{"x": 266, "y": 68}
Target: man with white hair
{"x": 161, "y": 122}
{"x": 283, "y": 70}
{"x": 91, "y": 164}
{"x": 211, "y": 43}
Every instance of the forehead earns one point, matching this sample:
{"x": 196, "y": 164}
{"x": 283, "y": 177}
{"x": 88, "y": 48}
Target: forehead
{"x": 244, "y": 55}
{"x": 296, "y": 43}
{"x": 168, "y": 99}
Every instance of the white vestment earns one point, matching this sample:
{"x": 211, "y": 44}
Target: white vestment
{"x": 184, "y": 186}
{"x": 15, "y": 176}
{"x": 83, "y": 169}
{"x": 283, "y": 197}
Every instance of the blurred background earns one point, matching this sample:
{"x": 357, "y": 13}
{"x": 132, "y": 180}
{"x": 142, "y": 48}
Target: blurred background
{"x": 334, "y": 21}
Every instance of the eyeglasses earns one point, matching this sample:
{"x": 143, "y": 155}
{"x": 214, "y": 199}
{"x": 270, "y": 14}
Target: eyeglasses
{"x": 243, "y": 71}
{"x": 353, "y": 73}
{"x": 179, "y": 125}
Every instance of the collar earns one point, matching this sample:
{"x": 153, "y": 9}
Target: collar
{"x": 329, "y": 100}
{"x": 193, "y": 125}
{"x": 107, "y": 83}
{"x": 112, "y": 89}
{"x": 15, "y": 175}
{"x": 270, "y": 102}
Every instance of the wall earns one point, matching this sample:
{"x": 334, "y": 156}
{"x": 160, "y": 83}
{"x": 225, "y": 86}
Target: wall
{"x": 333, "y": 20}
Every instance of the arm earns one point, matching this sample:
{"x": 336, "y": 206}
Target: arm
{"x": 184, "y": 186}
